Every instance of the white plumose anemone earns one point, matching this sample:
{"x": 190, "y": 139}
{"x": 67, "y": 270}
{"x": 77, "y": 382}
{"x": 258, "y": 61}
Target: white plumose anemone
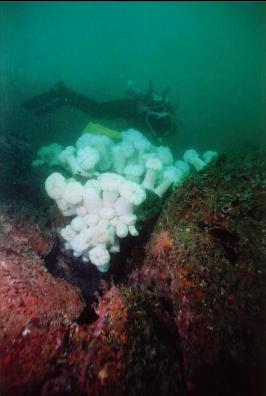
{"x": 128, "y": 219}
{"x": 165, "y": 155}
{"x": 93, "y": 183}
{"x": 87, "y": 158}
{"x": 115, "y": 248}
{"x": 78, "y": 223}
{"x": 132, "y": 192}
{"x": 209, "y": 155}
{"x": 73, "y": 192}
{"x": 68, "y": 233}
{"x": 91, "y": 200}
{"x": 48, "y": 155}
{"x": 153, "y": 166}
{"x": 171, "y": 175}
{"x": 140, "y": 143}
{"x": 79, "y": 243}
{"x": 121, "y": 229}
{"x": 81, "y": 211}
{"x": 100, "y": 235}
{"x": 110, "y": 184}
{"x": 133, "y": 231}
{"x": 122, "y": 206}
{"x": 102, "y": 144}
{"x": 68, "y": 157}
{"x": 183, "y": 167}
{"x": 66, "y": 208}
{"x": 192, "y": 157}
{"x": 134, "y": 172}
{"x": 62, "y": 205}
{"x": 84, "y": 140}
{"x": 119, "y": 158}
{"x": 107, "y": 213}
{"x": 91, "y": 219}
{"x": 55, "y": 185}
{"x": 100, "y": 257}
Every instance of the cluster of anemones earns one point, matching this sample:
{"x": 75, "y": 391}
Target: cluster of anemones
{"x": 115, "y": 177}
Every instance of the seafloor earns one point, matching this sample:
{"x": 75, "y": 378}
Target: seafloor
{"x": 181, "y": 312}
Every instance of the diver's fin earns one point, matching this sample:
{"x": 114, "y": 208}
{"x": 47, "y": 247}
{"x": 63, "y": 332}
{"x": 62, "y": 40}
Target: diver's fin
{"x": 48, "y": 101}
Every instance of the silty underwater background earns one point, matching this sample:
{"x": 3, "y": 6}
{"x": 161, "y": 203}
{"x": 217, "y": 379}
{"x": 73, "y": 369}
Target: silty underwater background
{"x": 132, "y": 284}
{"x": 211, "y": 55}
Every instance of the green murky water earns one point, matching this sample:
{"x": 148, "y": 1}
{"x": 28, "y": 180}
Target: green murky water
{"x": 212, "y": 56}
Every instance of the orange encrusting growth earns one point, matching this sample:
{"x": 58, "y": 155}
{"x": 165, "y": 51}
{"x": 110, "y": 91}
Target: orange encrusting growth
{"x": 161, "y": 246}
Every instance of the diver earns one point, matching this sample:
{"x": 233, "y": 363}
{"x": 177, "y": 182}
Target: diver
{"x": 143, "y": 110}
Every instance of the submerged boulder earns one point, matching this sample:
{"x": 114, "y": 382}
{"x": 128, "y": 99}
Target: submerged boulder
{"x": 36, "y": 310}
{"x": 47, "y": 345}
{"x": 205, "y": 261}
{"x": 131, "y": 349}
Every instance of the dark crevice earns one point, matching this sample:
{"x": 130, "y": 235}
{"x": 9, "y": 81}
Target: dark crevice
{"x": 50, "y": 260}
{"x": 167, "y": 306}
{"x": 88, "y": 315}
{"x": 229, "y": 242}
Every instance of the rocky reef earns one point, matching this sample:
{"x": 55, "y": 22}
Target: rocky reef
{"x": 36, "y": 310}
{"x": 132, "y": 348}
{"x": 205, "y": 261}
{"x": 184, "y": 317}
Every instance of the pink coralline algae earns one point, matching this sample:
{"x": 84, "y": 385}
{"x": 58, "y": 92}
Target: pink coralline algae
{"x": 36, "y": 310}
{"x": 121, "y": 351}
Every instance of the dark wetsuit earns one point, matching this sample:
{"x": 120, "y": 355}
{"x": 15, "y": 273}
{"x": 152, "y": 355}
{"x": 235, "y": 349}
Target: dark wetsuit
{"x": 140, "y": 112}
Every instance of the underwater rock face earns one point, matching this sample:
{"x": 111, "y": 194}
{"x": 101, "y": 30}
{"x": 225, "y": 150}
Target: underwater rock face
{"x": 22, "y": 231}
{"x": 43, "y": 346}
{"x": 36, "y": 310}
{"x": 132, "y": 349}
{"x": 205, "y": 261}
{"x": 189, "y": 321}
